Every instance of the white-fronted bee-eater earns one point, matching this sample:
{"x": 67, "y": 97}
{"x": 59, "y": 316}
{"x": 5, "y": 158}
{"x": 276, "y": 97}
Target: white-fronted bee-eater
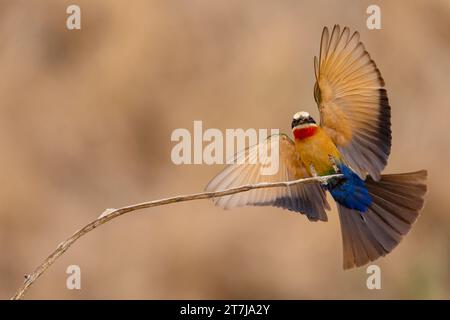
{"x": 353, "y": 139}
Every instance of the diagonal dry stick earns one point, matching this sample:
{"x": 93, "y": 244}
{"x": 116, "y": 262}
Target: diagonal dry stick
{"x": 114, "y": 213}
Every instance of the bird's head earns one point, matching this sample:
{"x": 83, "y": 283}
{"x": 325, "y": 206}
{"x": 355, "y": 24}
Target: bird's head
{"x": 302, "y": 119}
{"x": 303, "y": 125}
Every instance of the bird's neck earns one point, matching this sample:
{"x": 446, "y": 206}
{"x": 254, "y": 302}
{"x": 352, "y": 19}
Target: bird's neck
{"x": 303, "y": 132}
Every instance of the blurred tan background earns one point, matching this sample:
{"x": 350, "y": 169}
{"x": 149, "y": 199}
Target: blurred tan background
{"x": 85, "y": 124}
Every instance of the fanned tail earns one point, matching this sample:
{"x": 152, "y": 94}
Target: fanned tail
{"x": 397, "y": 200}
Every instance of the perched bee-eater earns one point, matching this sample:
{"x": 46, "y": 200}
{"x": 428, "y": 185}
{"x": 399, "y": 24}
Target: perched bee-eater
{"x": 353, "y": 139}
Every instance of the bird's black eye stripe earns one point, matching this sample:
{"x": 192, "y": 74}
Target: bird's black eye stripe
{"x": 296, "y": 122}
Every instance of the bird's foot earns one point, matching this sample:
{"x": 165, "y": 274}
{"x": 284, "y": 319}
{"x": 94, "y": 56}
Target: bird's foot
{"x": 333, "y": 163}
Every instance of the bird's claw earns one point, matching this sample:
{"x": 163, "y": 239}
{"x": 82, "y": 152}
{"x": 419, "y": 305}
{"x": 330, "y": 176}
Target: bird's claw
{"x": 333, "y": 163}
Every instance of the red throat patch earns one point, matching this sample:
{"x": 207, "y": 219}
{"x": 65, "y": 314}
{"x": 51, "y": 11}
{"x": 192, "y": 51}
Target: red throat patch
{"x": 303, "y": 133}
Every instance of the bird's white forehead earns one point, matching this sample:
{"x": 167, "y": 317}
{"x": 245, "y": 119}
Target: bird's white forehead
{"x": 301, "y": 114}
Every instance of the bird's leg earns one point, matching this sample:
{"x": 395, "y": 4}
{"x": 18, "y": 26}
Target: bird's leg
{"x": 333, "y": 163}
{"x": 312, "y": 170}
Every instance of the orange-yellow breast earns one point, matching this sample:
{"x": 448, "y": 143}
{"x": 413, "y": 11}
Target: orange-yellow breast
{"x": 315, "y": 147}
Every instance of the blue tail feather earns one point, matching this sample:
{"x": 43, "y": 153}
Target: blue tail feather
{"x": 350, "y": 191}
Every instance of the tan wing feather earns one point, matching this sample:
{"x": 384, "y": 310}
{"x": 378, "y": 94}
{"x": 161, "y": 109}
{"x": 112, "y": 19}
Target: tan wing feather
{"x": 308, "y": 199}
{"x": 353, "y": 104}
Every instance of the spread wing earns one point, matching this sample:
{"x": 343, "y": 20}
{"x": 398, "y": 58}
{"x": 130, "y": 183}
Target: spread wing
{"x": 251, "y": 166}
{"x": 353, "y": 105}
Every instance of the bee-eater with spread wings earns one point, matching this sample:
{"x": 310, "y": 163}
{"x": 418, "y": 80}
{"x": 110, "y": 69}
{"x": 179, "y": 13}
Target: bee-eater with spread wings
{"x": 353, "y": 139}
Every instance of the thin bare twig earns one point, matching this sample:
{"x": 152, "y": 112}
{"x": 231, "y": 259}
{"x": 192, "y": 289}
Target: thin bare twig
{"x": 114, "y": 213}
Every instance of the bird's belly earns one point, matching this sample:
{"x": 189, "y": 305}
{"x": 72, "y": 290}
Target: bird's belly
{"x": 318, "y": 159}
{"x": 317, "y": 153}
